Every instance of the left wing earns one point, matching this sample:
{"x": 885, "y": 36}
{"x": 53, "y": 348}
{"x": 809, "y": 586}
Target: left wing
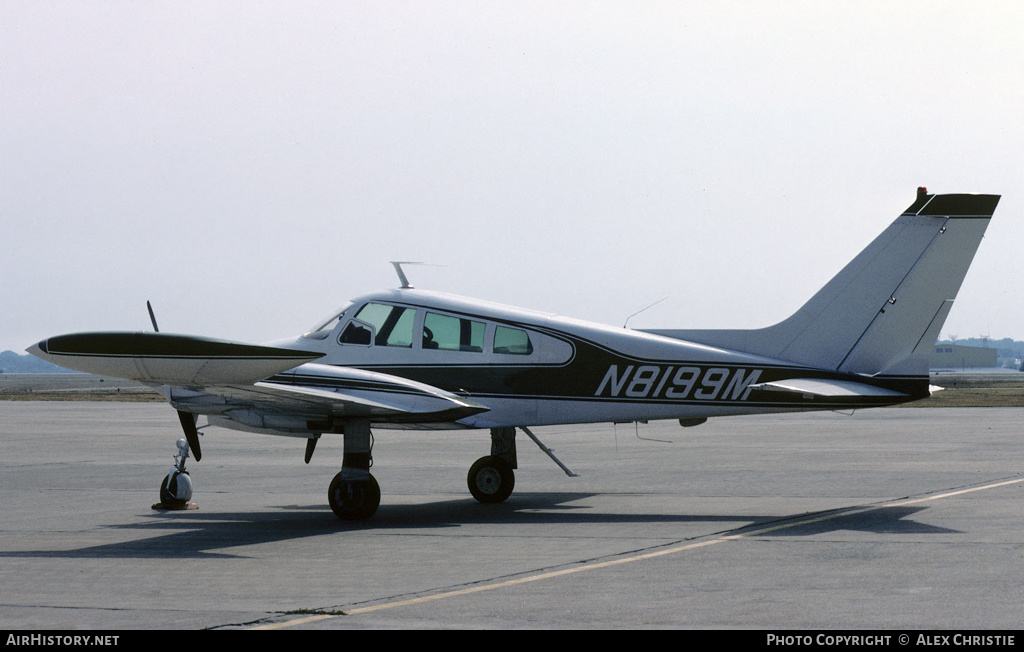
{"x": 256, "y": 386}
{"x": 167, "y": 359}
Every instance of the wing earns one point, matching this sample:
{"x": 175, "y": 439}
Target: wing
{"x": 261, "y": 387}
{"x": 168, "y": 359}
{"x": 316, "y": 391}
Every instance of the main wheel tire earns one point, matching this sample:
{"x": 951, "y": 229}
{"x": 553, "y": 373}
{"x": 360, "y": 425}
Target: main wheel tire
{"x": 491, "y": 479}
{"x": 353, "y": 500}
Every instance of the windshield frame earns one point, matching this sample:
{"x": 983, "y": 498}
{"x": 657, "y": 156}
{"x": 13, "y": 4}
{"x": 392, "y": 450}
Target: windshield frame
{"x": 325, "y": 327}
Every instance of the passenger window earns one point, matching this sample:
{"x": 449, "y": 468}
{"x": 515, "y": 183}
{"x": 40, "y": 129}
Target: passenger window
{"x": 512, "y": 341}
{"x": 452, "y": 333}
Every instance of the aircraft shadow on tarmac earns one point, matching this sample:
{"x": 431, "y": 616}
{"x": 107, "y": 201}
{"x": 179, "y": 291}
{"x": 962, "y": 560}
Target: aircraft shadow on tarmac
{"x": 199, "y": 534}
{"x": 880, "y": 520}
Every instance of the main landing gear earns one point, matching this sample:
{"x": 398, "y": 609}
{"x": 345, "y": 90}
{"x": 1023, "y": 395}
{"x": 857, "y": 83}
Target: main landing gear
{"x": 492, "y": 478}
{"x": 354, "y": 494}
{"x": 353, "y": 499}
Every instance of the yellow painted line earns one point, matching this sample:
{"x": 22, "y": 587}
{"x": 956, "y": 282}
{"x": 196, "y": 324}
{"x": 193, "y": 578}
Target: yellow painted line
{"x": 994, "y": 485}
{"x": 297, "y": 621}
{"x": 508, "y": 583}
{"x": 627, "y": 560}
{"x": 539, "y": 576}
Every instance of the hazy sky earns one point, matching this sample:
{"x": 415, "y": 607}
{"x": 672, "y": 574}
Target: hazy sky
{"x": 250, "y": 166}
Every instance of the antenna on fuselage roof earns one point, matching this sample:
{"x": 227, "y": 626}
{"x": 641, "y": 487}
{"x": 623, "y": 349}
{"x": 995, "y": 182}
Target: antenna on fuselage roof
{"x": 401, "y": 274}
{"x": 624, "y": 325}
{"x": 152, "y": 316}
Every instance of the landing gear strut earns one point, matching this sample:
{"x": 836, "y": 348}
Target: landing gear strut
{"x": 354, "y": 494}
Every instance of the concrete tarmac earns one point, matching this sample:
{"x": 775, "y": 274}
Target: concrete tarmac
{"x": 894, "y": 519}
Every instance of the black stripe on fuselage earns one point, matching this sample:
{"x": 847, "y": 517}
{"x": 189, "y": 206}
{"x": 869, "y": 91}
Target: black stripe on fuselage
{"x": 598, "y": 374}
{"x": 595, "y": 372}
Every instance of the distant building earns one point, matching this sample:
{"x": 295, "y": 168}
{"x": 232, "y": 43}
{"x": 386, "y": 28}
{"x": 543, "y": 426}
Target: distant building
{"x": 954, "y": 356}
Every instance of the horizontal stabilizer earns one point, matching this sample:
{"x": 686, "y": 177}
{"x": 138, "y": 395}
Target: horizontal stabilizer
{"x": 167, "y": 359}
{"x": 827, "y": 388}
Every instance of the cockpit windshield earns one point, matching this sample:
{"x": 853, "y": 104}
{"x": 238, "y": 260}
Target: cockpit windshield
{"x": 324, "y": 328}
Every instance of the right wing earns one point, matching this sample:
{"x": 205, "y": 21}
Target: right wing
{"x": 345, "y": 392}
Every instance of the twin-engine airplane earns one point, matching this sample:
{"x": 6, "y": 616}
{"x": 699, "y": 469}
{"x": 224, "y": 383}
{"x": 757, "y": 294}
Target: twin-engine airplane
{"x": 409, "y": 358}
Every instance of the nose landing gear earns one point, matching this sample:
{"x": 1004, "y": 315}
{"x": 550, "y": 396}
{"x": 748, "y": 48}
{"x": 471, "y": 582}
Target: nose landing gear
{"x": 176, "y": 488}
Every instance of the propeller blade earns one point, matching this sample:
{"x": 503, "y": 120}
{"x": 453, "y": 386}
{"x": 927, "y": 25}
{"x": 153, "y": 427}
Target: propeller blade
{"x": 152, "y": 317}
{"x": 310, "y": 445}
{"x": 188, "y": 424}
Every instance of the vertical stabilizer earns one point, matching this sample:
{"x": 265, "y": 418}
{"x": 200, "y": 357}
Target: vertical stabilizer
{"x": 887, "y": 304}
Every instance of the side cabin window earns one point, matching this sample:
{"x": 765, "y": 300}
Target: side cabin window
{"x": 447, "y": 333}
{"x": 512, "y": 341}
{"x": 381, "y": 324}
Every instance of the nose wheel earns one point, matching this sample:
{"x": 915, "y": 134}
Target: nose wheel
{"x": 176, "y": 488}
